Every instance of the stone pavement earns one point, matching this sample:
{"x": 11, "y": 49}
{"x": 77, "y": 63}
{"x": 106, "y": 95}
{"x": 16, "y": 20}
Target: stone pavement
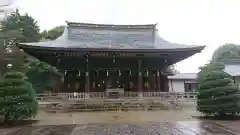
{"x": 154, "y": 128}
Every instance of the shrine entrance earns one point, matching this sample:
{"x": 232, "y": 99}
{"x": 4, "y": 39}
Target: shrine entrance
{"x": 97, "y": 81}
{"x": 102, "y": 80}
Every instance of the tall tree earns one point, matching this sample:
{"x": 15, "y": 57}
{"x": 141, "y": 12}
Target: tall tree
{"x": 25, "y": 25}
{"x": 17, "y": 28}
{"x": 217, "y": 94}
{"x": 227, "y": 53}
{"x": 52, "y": 34}
{"x": 26, "y": 29}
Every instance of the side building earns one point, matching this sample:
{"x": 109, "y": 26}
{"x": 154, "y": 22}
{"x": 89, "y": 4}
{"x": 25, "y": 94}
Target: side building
{"x": 182, "y": 82}
{"x": 187, "y": 82}
{"x": 97, "y": 57}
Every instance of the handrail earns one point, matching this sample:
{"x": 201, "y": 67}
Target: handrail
{"x": 83, "y": 95}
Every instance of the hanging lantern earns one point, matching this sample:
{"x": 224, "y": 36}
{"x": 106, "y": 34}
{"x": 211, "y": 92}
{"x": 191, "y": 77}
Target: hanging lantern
{"x": 79, "y": 73}
{"x": 130, "y": 72}
{"x": 65, "y": 72}
{"x": 119, "y": 73}
{"x": 107, "y": 73}
{"x": 158, "y": 73}
{"x": 147, "y": 73}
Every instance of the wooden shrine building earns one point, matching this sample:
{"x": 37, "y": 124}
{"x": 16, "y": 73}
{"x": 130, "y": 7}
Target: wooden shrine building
{"x": 96, "y": 57}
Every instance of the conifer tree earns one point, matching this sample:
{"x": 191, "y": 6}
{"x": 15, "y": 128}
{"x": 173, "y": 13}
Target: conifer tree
{"x": 217, "y": 94}
{"x": 17, "y": 97}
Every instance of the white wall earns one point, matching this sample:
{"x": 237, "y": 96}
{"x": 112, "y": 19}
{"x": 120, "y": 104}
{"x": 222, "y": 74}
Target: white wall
{"x": 237, "y": 80}
{"x": 176, "y": 85}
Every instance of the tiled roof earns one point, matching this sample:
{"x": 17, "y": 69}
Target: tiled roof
{"x": 84, "y": 35}
{"x": 183, "y": 76}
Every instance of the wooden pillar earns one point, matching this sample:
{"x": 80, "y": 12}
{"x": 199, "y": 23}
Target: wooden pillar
{"x": 140, "y": 83}
{"x": 93, "y": 84}
{"x": 114, "y": 73}
{"x": 151, "y": 80}
{"x": 166, "y": 86}
{"x": 87, "y": 75}
{"x": 60, "y": 84}
{"x": 64, "y": 80}
{"x": 102, "y": 80}
{"x": 106, "y": 81}
{"x": 158, "y": 81}
{"x": 114, "y": 78}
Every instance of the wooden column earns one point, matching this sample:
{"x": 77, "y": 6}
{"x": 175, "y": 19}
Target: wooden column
{"x": 151, "y": 80}
{"x": 60, "y": 83}
{"x": 158, "y": 81}
{"x": 93, "y": 80}
{"x": 106, "y": 81}
{"x": 140, "y": 83}
{"x": 64, "y": 80}
{"x": 87, "y": 75}
{"x": 114, "y": 73}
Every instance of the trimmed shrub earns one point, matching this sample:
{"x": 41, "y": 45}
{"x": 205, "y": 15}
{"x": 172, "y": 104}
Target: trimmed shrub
{"x": 17, "y": 97}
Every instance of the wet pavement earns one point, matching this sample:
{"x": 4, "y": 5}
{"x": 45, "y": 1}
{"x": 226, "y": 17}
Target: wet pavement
{"x": 133, "y": 117}
{"x": 162, "y": 122}
{"x": 154, "y": 128}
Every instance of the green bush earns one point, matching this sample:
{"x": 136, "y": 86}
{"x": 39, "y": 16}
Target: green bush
{"x": 217, "y": 94}
{"x": 17, "y": 97}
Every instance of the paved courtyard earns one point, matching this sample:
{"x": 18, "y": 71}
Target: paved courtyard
{"x": 155, "y": 128}
{"x": 133, "y": 117}
{"x": 125, "y": 123}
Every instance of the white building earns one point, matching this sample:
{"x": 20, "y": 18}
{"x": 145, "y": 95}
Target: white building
{"x": 186, "y": 82}
{"x": 234, "y": 71}
{"x": 182, "y": 82}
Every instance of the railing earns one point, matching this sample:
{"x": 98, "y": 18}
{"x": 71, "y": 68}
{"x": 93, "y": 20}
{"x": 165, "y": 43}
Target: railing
{"x": 82, "y": 95}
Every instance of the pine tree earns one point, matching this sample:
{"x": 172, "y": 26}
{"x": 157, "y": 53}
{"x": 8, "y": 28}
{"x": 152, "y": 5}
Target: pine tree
{"x": 217, "y": 94}
{"x": 17, "y": 97}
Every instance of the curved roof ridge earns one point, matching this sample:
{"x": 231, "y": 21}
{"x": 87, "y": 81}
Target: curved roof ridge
{"x": 77, "y": 24}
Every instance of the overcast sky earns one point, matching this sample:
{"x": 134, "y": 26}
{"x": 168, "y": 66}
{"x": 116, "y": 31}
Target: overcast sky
{"x": 194, "y": 22}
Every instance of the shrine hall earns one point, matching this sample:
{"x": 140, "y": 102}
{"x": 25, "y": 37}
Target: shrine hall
{"x": 97, "y": 57}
